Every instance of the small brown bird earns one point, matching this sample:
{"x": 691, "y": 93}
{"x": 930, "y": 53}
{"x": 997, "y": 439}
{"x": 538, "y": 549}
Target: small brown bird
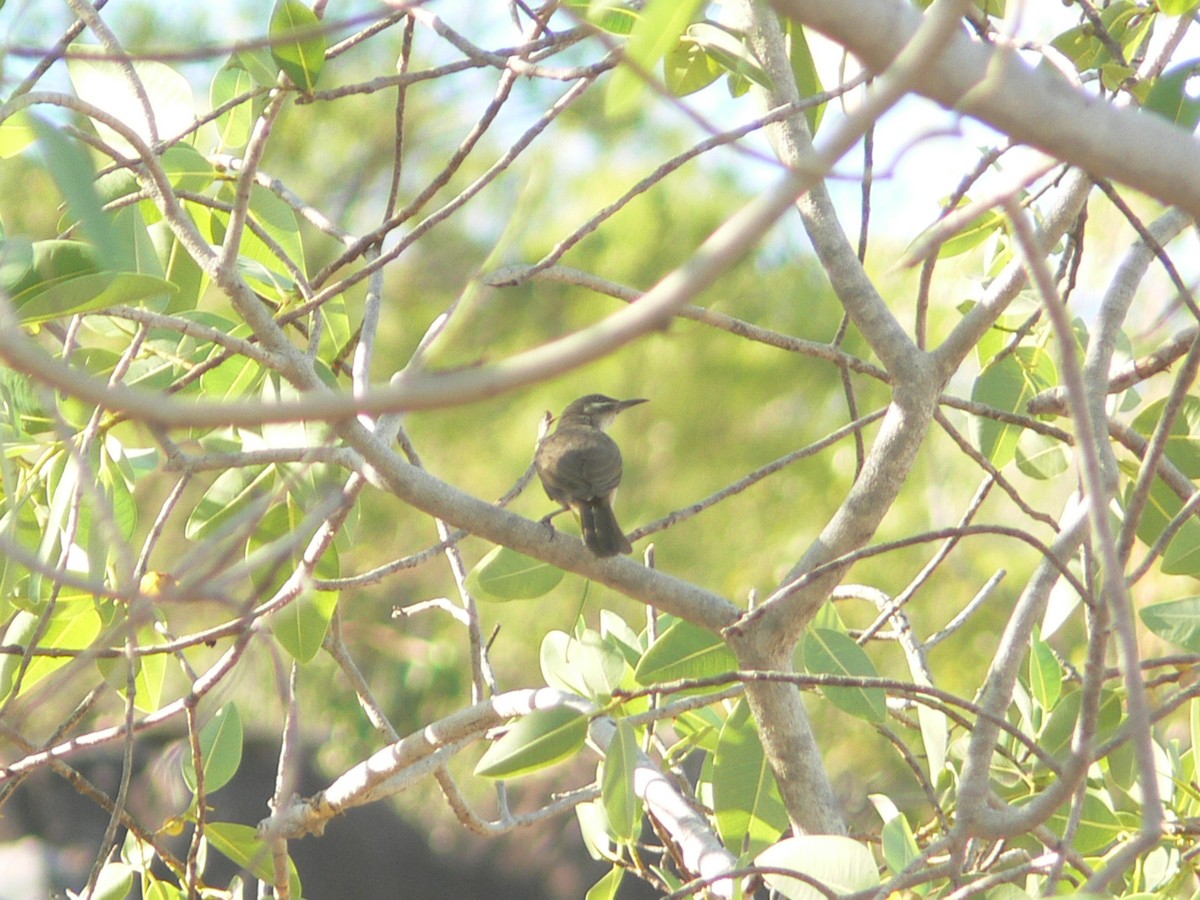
{"x": 580, "y": 468}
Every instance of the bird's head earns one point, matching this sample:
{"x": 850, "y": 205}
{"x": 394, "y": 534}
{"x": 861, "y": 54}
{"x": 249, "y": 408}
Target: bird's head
{"x": 596, "y": 410}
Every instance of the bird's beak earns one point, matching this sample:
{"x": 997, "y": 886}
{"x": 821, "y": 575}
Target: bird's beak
{"x": 625, "y": 404}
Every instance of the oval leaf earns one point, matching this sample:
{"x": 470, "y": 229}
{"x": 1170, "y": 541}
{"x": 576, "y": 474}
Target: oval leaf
{"x": 504, "y": 574}
{"x": 1176, "y": 621}
{"x": 616, "y": 785}
{"x": 684, "y": 650}
{"x": 297, "y": 43}
{"x": 590, "y": 666}
{"x": 843, "y": 866}
{"x": 829, "y": 652}
{"x": 220, "y": 750}
{"x": 538, "y": 740}
{"x": 301, "y": 625}
{"x": 240, "y": 844}
{"x": 749, "y": 810}
{"x": 653, "y": 35}
{"x": 1008, "y": 384}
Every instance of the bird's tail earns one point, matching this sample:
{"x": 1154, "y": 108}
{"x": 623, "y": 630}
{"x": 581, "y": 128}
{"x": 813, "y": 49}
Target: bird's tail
{"x": 601, "y": 533}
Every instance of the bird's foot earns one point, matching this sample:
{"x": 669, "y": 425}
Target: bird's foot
{"x": 547, "y": 521}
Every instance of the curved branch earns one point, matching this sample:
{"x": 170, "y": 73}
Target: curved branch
{"x": 1035, "y": 106}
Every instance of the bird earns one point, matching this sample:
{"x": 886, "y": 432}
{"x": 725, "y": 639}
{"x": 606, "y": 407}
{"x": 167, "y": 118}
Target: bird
{"x": 580, "y": 467}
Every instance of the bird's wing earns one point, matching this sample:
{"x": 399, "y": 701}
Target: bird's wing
{"x": 585, "y": 469}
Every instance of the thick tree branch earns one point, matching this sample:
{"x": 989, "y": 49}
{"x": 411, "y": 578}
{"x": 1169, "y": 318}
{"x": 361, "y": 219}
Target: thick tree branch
{"x": 1035, "y": 106}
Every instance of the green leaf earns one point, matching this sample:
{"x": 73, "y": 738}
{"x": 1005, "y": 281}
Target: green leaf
{"x": 149, "y": 677}
{"x": 71, "y": 168}
{"x": 234, "y": 126}
{"x": 104, "y": 83}
{"x": 156, "y": 889}
{"x": 74, "y": 626}
{"x": 700, "y": 728}
{"x": 234, "y": 377}
{"x": 185, "y": 275}
{"x": 505, "y": 574}
{"x": 1182, "y": 556}
{"x": 1168, "y": 96}
{"x": 187, "y": 169}
{"x": 338, "y": 330}
{"x": 597, "y": 836}
{"x": 48, "y": 262}
{"x": 684, "y": 650}
{"x": 1194, "y": 726}
{"x": 616, "y": 785}
{"x": 1098, "y": 826}
{"x": 618, "y": 634}
{"x": 899, "y": 845}
{"x": 240, "y": 844}
{"x": 257, "y": 260}
{"x": 129, "y": 225}
{"x": 16, "y": 133}
{"x": 608, "y": 886}
{"x": 1125, "y": 21}
{"x": 17, "y": 271}
{"x": 56, "y": 278}
{"x": 935, "y": 734}
{"x": 687, "y": 68}
{"x": 841, "y": 865}
{"x": 300, "y": 627}
{"x": 259, "y": 64}
{"x": 613, "y": 16}
{"x": 220, "y": 750}
{"x": 231, "y": 496}
{"x": 137, "y": 853}
{"x": 1041, "y": 456}
{"x": 84, "y": 293}
{"x": 536, "y": 741}
{"x": 19, "y": 633}
{"x": 653, "y": 35}
{"x": 804, "y": 70}
{"x": 728, "y": 50}
{"x": 1045, "y": 674}
{"x": 749, "y": 810}
{"x": 297, "y": 43}
{"x": 1008, "y": 383}
{"x": 1175, "y": 621}
{"x": 115, "y": 882}
{"x": 829, "y": 652}
{"x": 972, "y": 234}
{"x": 1177, "y": 7}
{"x": 1055, "y": 738}
{"x": 590, "y": 666}
{"x": 1183, "y": 443}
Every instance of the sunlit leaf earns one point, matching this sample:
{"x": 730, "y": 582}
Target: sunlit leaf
{"x": 240, "y": 844}
{"x": 828, "y": 652}
{"x": 685, "y": 650}
{"x": 504, "y": 574}
{"x": 749, "y": 810}
{"x": 535, "y": 741}
{"x": 1008, "y": 383}
{"x": 106, "y": 83}
{"x": 653, "y": 35}
{"x": 841, "y": 865}
{"x": 616, "y": 785}
{"x": 220, "y": 750}
{"x": 297, "y": 43}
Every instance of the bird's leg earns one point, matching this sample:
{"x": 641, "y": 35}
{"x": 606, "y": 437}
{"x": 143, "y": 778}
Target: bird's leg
{"x": 547, "y": 520}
